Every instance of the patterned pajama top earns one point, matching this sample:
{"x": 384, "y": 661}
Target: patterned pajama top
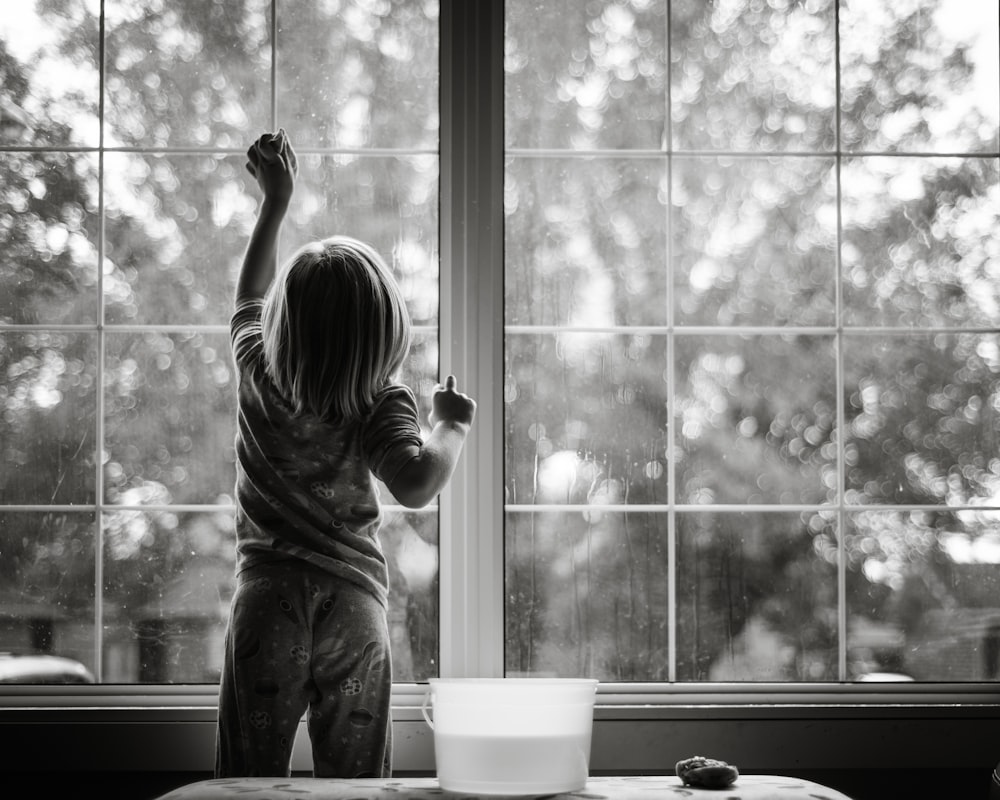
{"x": 306, "y": 488}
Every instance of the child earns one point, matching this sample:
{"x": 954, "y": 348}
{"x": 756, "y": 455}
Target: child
{"x": 320, "y": 416}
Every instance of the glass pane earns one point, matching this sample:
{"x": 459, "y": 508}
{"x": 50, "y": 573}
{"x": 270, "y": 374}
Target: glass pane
{"x": 756, "y": 597}
{"x": 752, "y": 76}
{"x": 587, "y": 595}
{"x": 389, "y": 202}
{"x": 754, "y": 241}
{"x": 169, "y": 418}
{"x": 176, "y": 229}
{"x": 187, "y": 72}
{"x": 921, "y": 595}
{"x": 378, "y": 81}
{"x": 585, "y": 241}
{"x": 168, "y": 580}
{"x": 48, "y": 394}
{"x": 585, "y": 419}
{"x": 49, "y": 73}
{"x": 756, "y": 419}
{"x": 585, "y": 75}
{"x": 47, "y": 597}
{"x": 919, "y": 242}
{"x": 420, "y": 370}
{"x": 410, "y": 543}
{"x": 922, "y": 424}
{"x": 48, "y": 237}
{"x": 920, "y": 75}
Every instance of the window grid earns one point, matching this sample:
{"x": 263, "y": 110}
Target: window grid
{"x": 670, "y": 330}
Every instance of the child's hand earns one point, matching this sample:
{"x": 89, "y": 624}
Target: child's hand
{"x": 272, "y": 161}
{"x": 450, "y": 405}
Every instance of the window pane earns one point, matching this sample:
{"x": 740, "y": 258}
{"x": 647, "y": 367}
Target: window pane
{"x": 756, "y": 597}
{"x": 48, "y": 427}
{"x": 754, "y": 241}
{"x": 389, "y": 202}
{"x": 585, "y": 241}
{"x": 187, "y": 72}
{"x": 176, "y": 228}
{"x": 752, "y": 76}
{"x": 585, "y": 75}
{"x": 585, "y": 420}
{"x": 170, "y": 406}
{"x": 47, "y": 597}
{"x": 360, "y": 74}
{"x": 920, "y": 241}
{"x": 587, "y": 594}
{"x": 921, "y": 419}
{"x": 919, "y": 75}
{"x": 921, "y": 595}
{"x": 48, "y": 237}
{"x": 756, "y": 418}
{"x": 168, "y": 580}
{"x": 410, "y": 543}
{"x": 49, "y": 74}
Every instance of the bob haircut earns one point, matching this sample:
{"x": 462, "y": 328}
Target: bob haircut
{"x": 335, "y": 329}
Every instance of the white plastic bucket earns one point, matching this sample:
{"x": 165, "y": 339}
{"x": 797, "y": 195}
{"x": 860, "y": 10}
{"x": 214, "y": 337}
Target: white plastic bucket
{"x": 511, "y": 735}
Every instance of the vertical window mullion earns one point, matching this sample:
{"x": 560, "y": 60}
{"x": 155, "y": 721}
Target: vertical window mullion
{"x": 100, "y": 352}
{"x": 672, "y": 443}
{"x": 841, "y": 520}
{"x": 471, "y": 333}
{"x": 274, "y": 64}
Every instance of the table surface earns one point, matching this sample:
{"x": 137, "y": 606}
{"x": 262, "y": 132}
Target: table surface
{"x": 747, "y": 787}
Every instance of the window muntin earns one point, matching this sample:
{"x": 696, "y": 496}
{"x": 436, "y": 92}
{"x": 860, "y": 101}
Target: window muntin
{"x": 750, "y": 340}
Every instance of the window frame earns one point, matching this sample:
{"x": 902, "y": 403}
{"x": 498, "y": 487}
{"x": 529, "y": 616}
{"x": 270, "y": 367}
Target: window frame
{"x": 171, "y": 727}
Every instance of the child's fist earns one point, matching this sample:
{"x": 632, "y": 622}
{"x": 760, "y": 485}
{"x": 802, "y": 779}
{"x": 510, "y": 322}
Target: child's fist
{"x": 450, "y": 405}
{"x": 272, "y": 162}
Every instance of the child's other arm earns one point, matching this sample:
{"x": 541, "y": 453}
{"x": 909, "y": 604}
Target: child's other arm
{"x": 424, "y": 476}
{"x": 273, "y": 163}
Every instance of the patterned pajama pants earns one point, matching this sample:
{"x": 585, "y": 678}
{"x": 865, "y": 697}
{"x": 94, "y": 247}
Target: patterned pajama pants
{"x": 301, "y": 639}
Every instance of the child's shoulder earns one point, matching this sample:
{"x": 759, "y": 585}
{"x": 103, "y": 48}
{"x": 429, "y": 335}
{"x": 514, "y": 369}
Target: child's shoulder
{"x": 394, "y": 404}
{"x": 395, "y": 394}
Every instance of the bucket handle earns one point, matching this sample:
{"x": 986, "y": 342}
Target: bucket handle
{"x": 423, "y": 709}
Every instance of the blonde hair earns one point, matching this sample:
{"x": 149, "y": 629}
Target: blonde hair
{"x": 336, "y": 329}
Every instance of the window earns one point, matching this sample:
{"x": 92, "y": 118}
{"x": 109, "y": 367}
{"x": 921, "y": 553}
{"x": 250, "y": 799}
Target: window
{"x": 126, "y": 209}
{"x": 751, "y": 340}
{"x": 739, "y": 420}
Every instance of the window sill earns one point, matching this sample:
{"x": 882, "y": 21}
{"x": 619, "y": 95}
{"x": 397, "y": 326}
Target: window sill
{"x": 633, "y": 696}
{"x": 639, "y": 728}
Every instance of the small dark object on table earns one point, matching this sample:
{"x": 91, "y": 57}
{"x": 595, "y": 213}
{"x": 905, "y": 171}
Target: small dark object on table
{"x": 707, "y": 773}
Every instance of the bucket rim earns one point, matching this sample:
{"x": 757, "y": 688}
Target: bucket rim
{"x": 513, "y": 681}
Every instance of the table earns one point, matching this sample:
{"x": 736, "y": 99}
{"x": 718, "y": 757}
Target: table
{"x": 747, "y": 787}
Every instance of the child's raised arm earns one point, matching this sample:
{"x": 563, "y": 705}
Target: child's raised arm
{"x": 272, "y": 161}
{"x": 427, "y": 473}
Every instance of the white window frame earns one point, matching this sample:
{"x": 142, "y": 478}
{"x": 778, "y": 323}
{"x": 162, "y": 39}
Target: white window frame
{"x": 639, "y": 726}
